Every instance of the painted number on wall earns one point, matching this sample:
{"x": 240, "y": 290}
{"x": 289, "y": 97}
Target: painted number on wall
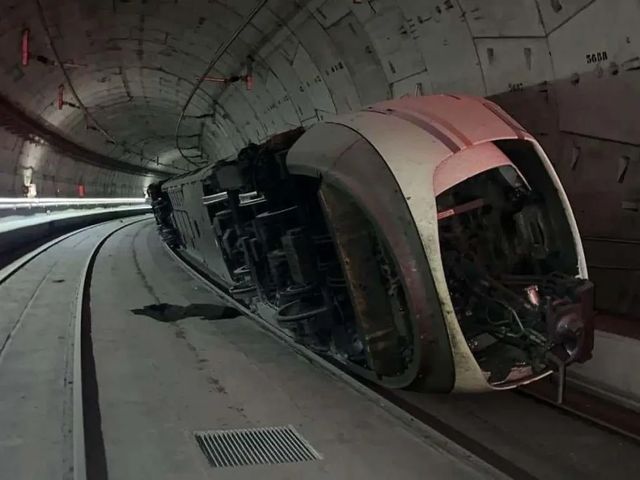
{"x": 596, "y": 57}
{"x": 516, "y": 87}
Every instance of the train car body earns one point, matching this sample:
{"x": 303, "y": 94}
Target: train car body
{"x": 424, "y": 243}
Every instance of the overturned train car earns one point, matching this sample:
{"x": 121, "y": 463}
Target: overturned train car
{"x": 424, "y": 243}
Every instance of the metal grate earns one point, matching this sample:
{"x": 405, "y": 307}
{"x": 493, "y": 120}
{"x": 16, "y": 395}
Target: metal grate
{"x": 255, "y": 446}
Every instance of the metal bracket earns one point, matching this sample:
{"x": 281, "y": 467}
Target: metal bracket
{"x": 562, "y": 378}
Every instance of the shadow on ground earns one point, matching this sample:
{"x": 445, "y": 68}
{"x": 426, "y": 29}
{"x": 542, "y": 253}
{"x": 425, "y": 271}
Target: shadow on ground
{"x": 165, "y": 312}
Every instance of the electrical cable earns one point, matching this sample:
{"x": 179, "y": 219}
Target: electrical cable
{"x": 216, "y": 58}
{"x": 102, "y": 130}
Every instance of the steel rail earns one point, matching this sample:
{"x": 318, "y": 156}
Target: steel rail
{"x": 79, "y": 396}
{"x": 11, "y": 269}
{"x": 89, "y": 461}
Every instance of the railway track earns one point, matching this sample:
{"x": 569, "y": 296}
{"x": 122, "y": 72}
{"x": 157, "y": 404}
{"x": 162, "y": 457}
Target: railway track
{"x": 416, "y": 413}
{"x": 588, "y": 407}
{"x": 88, "y": 459}
{"x": 147, "y": 261}
{"x": 432, "y": 417}
{"x": 89, "y": 452}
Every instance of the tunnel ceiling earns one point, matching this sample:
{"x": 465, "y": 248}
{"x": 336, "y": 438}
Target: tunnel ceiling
{"x": 134, "y": 63}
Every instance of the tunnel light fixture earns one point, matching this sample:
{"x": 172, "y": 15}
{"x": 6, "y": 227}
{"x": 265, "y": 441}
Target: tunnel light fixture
{"x": 43, "y": 200}
{"x": 22, "y": 203}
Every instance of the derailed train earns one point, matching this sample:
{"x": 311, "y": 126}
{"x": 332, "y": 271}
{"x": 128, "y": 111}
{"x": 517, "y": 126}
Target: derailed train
{"x": 424, "y": 243}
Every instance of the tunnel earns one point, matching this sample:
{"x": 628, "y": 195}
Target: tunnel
{"x": 100, "y": 100}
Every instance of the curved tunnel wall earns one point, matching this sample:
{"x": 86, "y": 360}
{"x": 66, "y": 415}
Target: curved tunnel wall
{"x": 568, "y": 70}
{"x": 55, "y": 174}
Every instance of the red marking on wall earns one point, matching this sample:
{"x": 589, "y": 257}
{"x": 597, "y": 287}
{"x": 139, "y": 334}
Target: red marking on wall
{"x": 81, "y": 191}
{"x": 248, "y": 78}
{"x": 25, "y": 47}
{"x": 60, "y": 96}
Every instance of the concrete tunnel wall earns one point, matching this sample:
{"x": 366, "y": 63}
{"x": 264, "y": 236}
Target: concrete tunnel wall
{"x": 568, "y": 70}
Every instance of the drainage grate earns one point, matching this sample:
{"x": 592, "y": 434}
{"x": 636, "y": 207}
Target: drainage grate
{"x": 255, "y": 446}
